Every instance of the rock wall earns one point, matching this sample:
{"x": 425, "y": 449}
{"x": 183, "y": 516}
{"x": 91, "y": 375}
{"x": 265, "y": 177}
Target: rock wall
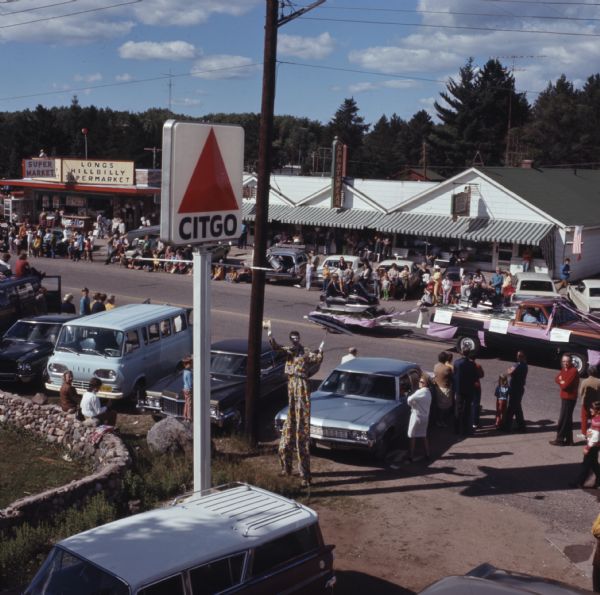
{"x": 108, "y": 455}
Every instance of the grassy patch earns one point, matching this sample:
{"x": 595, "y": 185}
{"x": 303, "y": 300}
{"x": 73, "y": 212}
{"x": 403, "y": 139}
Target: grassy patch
{"x": 30, "y": 465}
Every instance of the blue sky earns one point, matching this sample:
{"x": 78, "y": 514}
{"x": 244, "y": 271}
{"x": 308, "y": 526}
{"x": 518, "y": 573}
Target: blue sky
{"x": 400, "y": 52}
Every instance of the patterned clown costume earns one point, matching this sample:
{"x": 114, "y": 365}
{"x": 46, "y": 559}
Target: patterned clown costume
{"x": 296, "y": 429}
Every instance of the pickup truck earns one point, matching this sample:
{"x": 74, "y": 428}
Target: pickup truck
{"x": 544, "y": 326}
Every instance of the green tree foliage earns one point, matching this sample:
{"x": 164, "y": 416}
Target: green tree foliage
{"x": 476, "y": 113}
{"x": 350, "y": 129}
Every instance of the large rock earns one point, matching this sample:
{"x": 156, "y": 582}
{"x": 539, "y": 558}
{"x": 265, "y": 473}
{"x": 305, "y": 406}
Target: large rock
{"x": 170, "y": 435}
{"x": 39, "y": 399}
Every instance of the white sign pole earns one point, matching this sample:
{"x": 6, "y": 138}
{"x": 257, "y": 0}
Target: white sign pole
{"x": 201, "y": 391}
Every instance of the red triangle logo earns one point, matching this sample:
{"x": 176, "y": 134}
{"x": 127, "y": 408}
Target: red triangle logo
{"x": 209, "y": 188}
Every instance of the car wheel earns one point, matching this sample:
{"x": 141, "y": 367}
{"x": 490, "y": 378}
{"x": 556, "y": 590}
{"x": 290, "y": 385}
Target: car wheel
{"x": 383, "y": 445}
{"x": 579, "y": 362}
{"x": 139, "y": 392}
{"x": 467, "y": 342}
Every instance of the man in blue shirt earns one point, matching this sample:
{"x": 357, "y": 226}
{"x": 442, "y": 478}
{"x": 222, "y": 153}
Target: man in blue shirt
{"x": 497, "y": 280}
{"x": 565, "y": 273}
{"x": 188, "y": 383}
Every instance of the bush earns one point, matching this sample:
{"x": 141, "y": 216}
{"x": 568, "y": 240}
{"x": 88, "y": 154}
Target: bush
{"x": 23, "y": 549}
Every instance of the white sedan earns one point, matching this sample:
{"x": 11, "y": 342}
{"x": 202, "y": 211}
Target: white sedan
{"x": 585, "y": 295}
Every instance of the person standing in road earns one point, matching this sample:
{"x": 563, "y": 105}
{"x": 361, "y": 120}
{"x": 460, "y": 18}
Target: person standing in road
{"x": 590, "y": 451}
{"x": 97, "y": 304}
{"x": 444, "y": 394}
{"x": 296, "y": 429}
{"x": 517, "y": 375}
{"x": 465, "y": 377}
{"x": 67, "y": 306}
{"x": 589, "y": 392}
{"x": 565, "y": 273}
{"x": 110, "y": 302}
{"x": 352, "y": 353}
{"x": 188, "y": 383}
{"x": 568, "y": 381}
{"x": 476, "y": 406}
{"x": 84, "y": 302}
{"x": 420, "y": 405}
{"x": 310, "y": 265}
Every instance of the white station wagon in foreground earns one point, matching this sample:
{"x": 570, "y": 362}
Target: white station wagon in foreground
{"x": 233, "y": 539}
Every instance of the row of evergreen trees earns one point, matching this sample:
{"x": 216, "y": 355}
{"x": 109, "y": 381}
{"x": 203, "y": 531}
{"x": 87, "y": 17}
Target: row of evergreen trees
{"x": 482, "y": 119}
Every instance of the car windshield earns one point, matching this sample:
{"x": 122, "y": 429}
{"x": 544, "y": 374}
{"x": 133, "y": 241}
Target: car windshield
{"x": 233, "y": 364}
{"x": 64, "y": 573}
{"x": 33, "y": 331}
{"x": 85, "y": 339}
{"x": 545, "y": 286}
{"x": 594, "y": 291}
{"x": 362, "y": 385}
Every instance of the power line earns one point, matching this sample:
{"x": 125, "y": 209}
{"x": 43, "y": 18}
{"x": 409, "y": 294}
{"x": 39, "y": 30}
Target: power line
{"x": 69, "y": 14}
{"x": 456, "y": 13}
{"x": 382, "y": 74}
{"x": 460, "y": 27}
{"x": 123, "y": 83}
{"x": 4, "y": 14}
{"x": 546, "y": 2}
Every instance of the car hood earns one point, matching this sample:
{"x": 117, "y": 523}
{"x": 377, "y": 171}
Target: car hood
{"x": 221, "y": 386}
{"x": 330, "y": 409}
{"x": 13, "y": 350}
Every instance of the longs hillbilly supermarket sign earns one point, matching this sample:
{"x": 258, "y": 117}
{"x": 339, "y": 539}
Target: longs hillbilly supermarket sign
{"x": 84, "y": 171}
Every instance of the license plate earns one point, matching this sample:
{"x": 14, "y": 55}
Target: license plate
{"x": 106, "y": 388}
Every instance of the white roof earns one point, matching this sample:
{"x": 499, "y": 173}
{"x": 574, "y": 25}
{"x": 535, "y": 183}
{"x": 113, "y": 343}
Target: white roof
{"x": 143, "y": 548}
{"x": 128, "y": 316}
{"x": 533, "y": 276}
{"x": 591, "y": 282}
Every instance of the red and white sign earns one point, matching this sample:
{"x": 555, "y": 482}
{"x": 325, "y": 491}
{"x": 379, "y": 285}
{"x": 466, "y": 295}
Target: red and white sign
{"x": 201, "y": 192}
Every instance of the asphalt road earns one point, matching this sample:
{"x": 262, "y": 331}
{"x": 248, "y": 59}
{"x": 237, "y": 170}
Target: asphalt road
{"x": 516, "y": 470}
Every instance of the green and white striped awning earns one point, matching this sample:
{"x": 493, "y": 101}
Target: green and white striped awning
{"x": 477, "y": 229}
{"x": 316, "y": 216}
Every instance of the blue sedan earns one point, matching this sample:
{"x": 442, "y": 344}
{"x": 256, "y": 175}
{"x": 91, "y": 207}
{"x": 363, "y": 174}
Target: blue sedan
{"x": 362, "y": 404}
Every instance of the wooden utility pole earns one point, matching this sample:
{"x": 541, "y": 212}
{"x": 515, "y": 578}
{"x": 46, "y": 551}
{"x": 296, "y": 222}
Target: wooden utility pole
{"x": 265, "y": 140}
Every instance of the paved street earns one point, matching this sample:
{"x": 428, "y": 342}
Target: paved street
{"x": 513, "y": 475}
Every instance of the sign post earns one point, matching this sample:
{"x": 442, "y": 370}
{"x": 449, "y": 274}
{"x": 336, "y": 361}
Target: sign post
{"x": 201, "y": 199}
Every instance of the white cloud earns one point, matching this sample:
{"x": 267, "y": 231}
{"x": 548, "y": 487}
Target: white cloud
{"x": 186, "y": 13}
{"x": 223, "y": 66}
{"x": 123, "y": 78}
{"x": 362, "y": 87}
{"x": 151, "y": 50}
{"x": 88, "y": 78}
{"x": 187, "y": 102}
{"x": 307, "y": 48}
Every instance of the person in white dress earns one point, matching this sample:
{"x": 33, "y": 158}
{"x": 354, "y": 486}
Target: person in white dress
{"x": 420, "y": 404}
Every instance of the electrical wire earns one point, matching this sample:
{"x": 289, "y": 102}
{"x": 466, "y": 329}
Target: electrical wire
{"x": 131, "y": 82}
{"x": 456, "y": 13}
{"x": 459, "y": 27}
{"x": 70, "y": 14}
{"x": 4, "y": 14}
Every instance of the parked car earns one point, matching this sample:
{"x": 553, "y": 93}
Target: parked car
{"x": 27, "y": 345}
{"x": 546, "y": 327}
{"x": 228, "y": 361}
{"x": 488, "y": 580}
{"x": 128, "y": 348}
{"x": 288, "y": 263}
{"x": 333, "y": 262}
{"x": 533, "y": 285}
{"x": 585, "y": 295}
{"x": 234, "y": 539}
{"x": 362, "y": 405}
{"x": 18, "y": 298}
